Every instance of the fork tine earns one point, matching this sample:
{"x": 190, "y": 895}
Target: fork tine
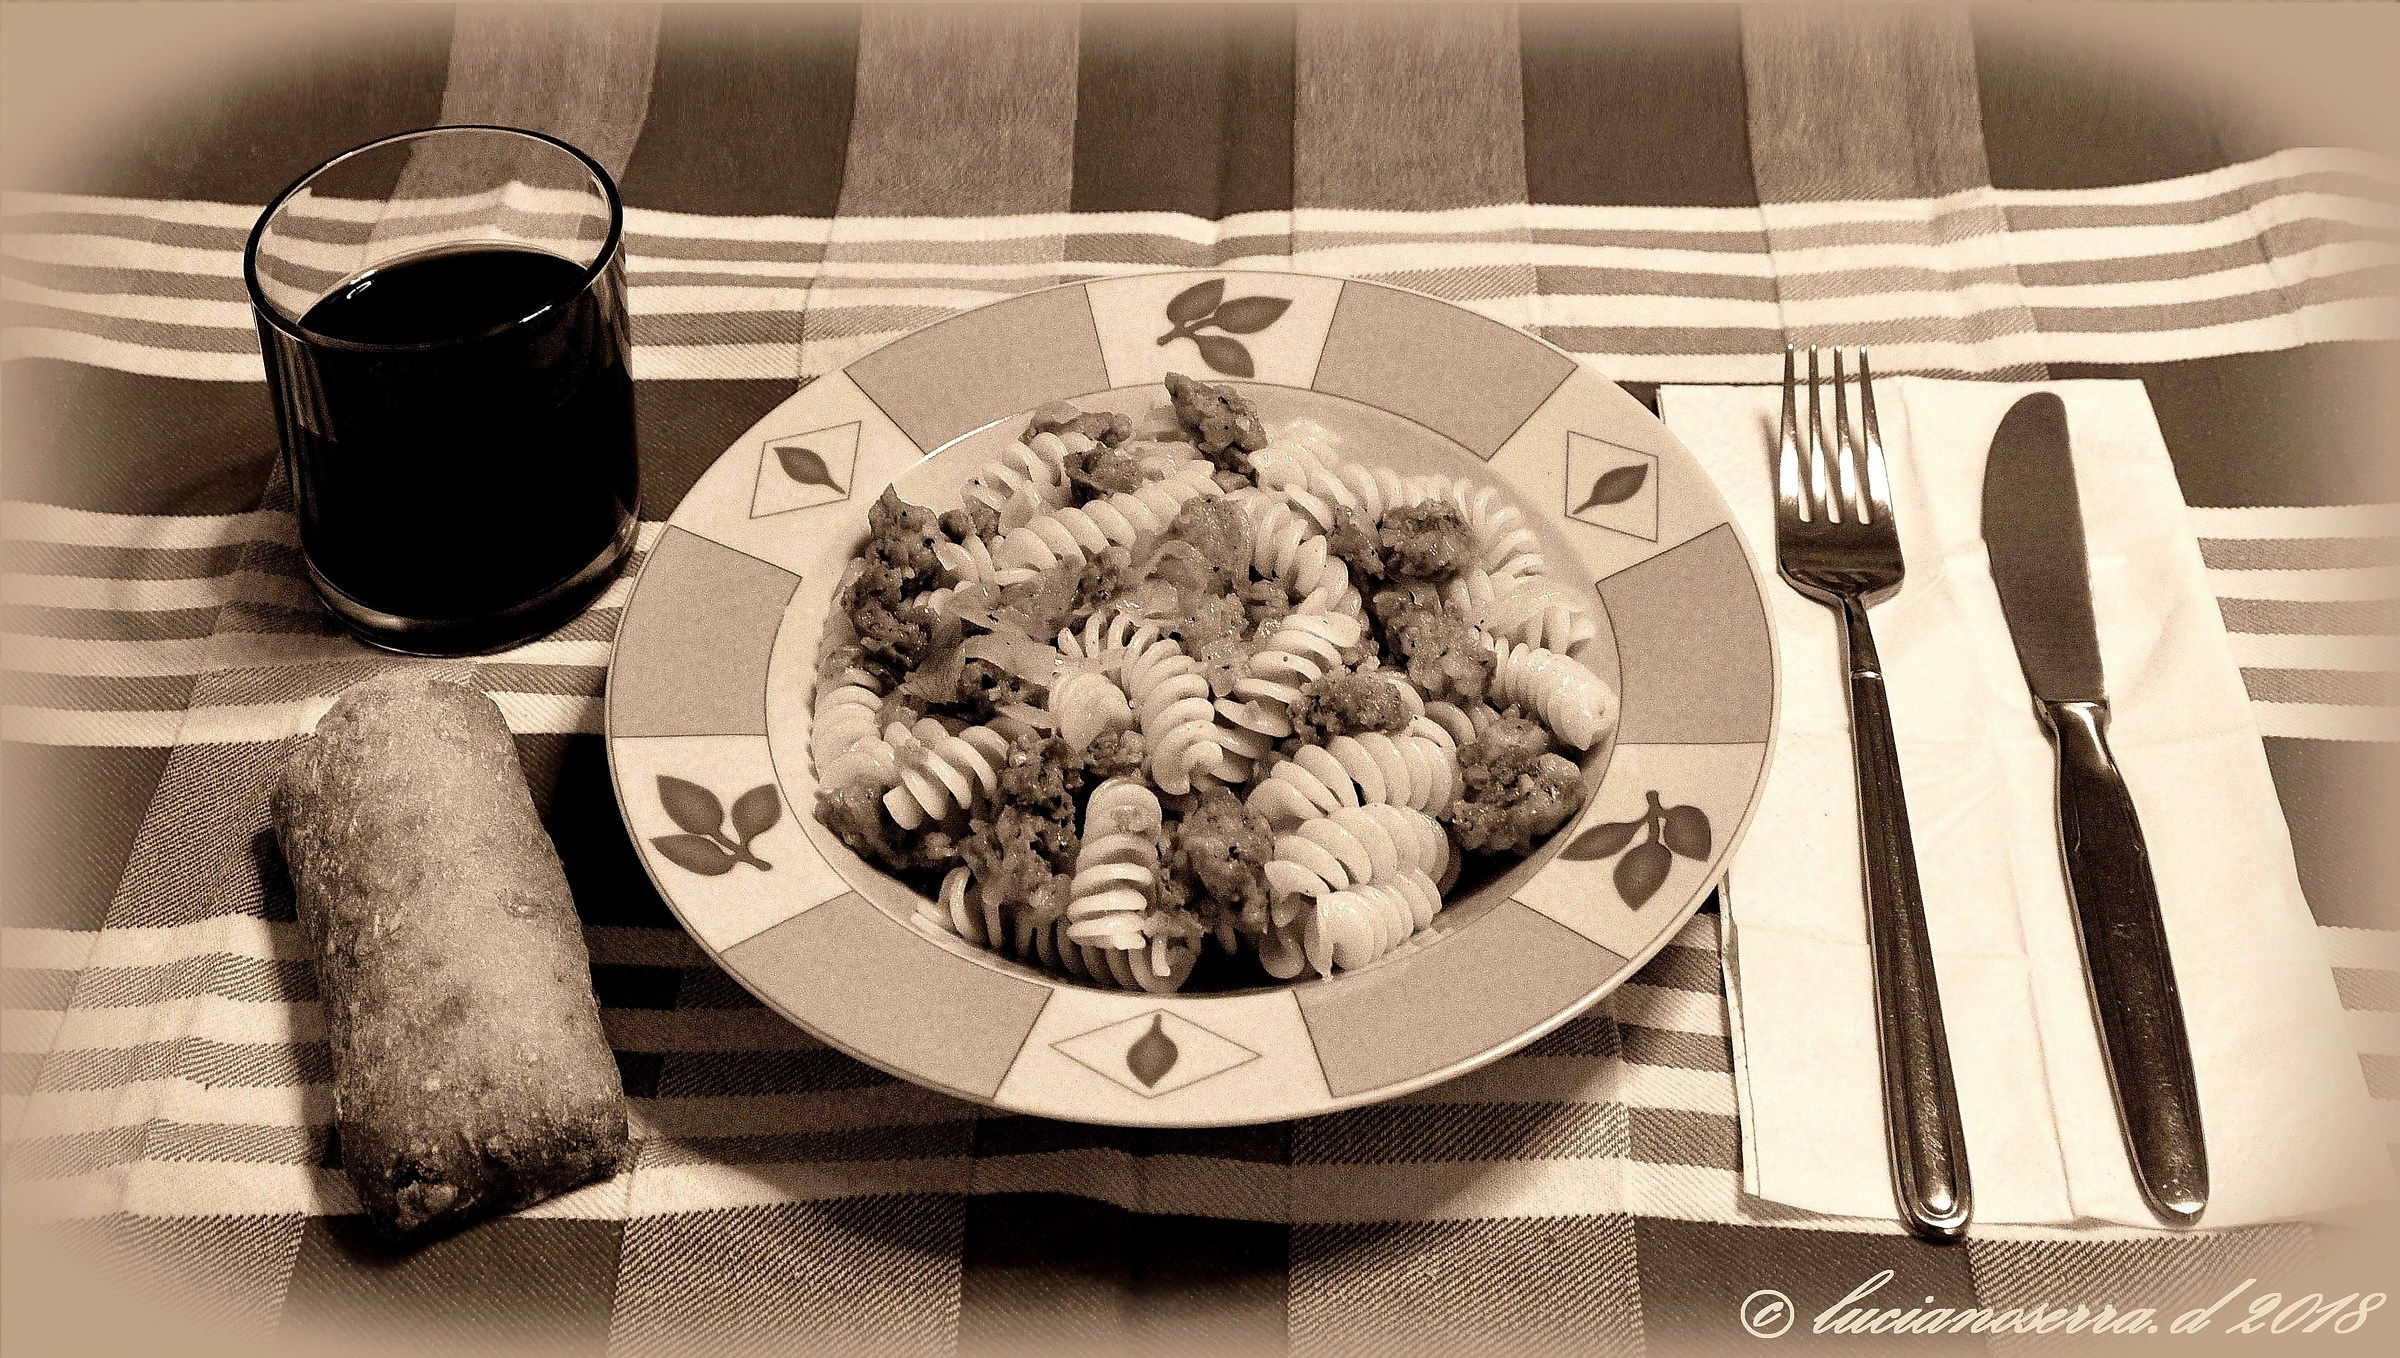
{"x": 1846, "y": 466}
{"x": 1879, "y": 484}
{"x": 1819, "y": 497}
{"x": 1787, "y": 463}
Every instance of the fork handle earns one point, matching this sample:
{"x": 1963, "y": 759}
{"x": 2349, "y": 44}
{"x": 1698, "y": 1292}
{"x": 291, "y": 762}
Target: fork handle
{"x": 1920, "y": 1100}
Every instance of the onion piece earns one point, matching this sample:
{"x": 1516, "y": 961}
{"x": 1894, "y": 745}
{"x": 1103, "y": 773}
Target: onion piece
{"x": 1021, "y": 508}
{"x": 977, "y": 603}
{"x": 1028, "y": 714}
{"x": 1035, "y": 662}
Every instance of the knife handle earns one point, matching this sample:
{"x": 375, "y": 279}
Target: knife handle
{"x": 1920, "y": 1100}
{"x": 2125, "y": 955}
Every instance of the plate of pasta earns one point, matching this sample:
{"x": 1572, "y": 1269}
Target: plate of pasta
{"x": 1193, "y": 698}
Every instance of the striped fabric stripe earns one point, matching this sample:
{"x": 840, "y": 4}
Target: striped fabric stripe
{"x": 995, "y": 104}
{"x": 2311, "y": 600}
{"x": 1818, "y": 133}
{"x": 1401, "y": 112}
{"x": 2289, "y": 249}
{"x": 582, "y": 75}
{"x": 1641, "y": 1085}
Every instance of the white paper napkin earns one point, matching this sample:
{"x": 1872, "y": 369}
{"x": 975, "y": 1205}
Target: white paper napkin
{"x": 2283, "y": 1100}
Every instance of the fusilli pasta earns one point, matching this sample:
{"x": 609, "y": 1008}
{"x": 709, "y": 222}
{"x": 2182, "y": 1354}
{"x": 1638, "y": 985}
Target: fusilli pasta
{"x": 1086, "y": 704}
{"x": 1116, "y": 871}
{"x": 1530, "y": 607}
{"x": 1417, "y": 769}
{"x": 1302, "y": 647}
{"x": 1116, "y": 723}
{"x": 1360, "y": 881}
{"x": 1186, "y": 740}
{"x": 1303, "y": 466}
{"x": 1035, "y": 469}
{"x": 940, "y": 772}
{"x": 962, "y": 909}
{"x": 1290, "y": 550}
{"x": 1125, "y": 519}
{"x": 1573, "y": 703}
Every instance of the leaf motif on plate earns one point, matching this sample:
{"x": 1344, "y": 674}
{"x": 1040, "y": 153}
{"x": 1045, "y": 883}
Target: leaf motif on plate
{"x": 756, "y": 811}
{"x": 1616, "y": 486}
{"x": 1202, "y": 306}
{"x": 1225, "y": 355}
{"x": 691, "y": 806}
{"x": 1152, "y": 1054}
{"x": 805, "y": 466}
{"x": 695, "y": 853}
{"x": 1685, "y": 830}
{"x": 1602, "y": 841}
{"x": 1196, "y": 301}
{"x": 705, "y": 848}
{"x": 1249, "y": 315}
{"x": 1665, "y": 832}
{"x": 1642, "y": 871}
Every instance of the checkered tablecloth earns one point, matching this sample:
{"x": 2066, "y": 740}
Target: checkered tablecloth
{"x": 1672, "y": 196}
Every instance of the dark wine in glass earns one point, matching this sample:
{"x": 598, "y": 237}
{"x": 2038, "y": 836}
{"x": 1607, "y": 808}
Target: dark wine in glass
{"x": 456, "y": 406}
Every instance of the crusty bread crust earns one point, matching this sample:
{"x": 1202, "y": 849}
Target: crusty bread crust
{"x": 471, "y": 1075}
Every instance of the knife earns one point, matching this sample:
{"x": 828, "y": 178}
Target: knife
{"x": 2033, "y": 529}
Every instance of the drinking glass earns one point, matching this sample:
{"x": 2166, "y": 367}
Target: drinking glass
{"x": 442, "y": 315}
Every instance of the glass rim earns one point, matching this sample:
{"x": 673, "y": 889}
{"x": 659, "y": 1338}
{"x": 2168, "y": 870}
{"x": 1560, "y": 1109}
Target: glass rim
{"x": 291, "y": 326}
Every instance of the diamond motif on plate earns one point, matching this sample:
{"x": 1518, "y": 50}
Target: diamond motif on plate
{"x": 1612, "y": 486}
{"x": 1154, "y": 1053}
{"x": 801, "y": 471}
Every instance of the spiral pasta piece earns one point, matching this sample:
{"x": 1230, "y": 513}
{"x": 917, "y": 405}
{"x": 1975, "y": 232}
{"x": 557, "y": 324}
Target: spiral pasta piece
{"x": 1086, "y": 703}
{"x": 1302, "y": 465}
{"x": 971, "y": 562}
{"x": 1538, "y": 610}
{"x": 1417, "y": 769}
{"x": 1106, "y": 637}
{"x": 1348, "y": 929}
{"x": 1185, "y": 740}
{"x": 940, "y": 773}
{"x": 847, "y": 717}
{"x": 1358, "y": 880}
{"x": 1116, "y": 870}
{"x": 1292, "y": 551}
{"x": 961, "y": 908}
{"x": 1035, "y": 468}
{"x": 1349, "y": 846}
{"x": 1127, "y": 519}
{"x": 1454, "y": 722}
{"x": 1282, "y": 949}
{"x": 1572, "y": 701}
{"x": 1302, "y": 647}
{"x": 1159, "y": 966}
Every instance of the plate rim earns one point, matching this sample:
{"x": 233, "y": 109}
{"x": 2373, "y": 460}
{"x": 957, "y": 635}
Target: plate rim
{"x": 1673, "y": 923}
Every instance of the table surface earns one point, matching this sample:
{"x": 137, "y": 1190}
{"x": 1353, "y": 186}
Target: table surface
{"x": 1672, "y": 197}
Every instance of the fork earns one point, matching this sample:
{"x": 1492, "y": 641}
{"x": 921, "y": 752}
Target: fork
{"x": 1837, "y": 543}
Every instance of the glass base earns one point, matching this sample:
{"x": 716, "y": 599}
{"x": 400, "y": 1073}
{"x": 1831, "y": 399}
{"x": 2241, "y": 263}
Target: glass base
{"x": 486, "y": 632}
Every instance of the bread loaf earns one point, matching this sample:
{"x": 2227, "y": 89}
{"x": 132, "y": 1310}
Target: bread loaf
{"x": 471, "y": 1075}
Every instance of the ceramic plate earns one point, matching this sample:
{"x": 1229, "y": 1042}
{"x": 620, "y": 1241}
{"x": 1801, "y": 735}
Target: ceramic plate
{"x": 708, "y": 699}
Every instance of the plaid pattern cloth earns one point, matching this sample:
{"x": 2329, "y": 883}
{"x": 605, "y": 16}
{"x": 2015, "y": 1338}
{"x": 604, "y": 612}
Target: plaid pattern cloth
{"x": 1670, "y": 195}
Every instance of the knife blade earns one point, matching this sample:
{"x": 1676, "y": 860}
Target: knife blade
{"x": 2033, "y": 533}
